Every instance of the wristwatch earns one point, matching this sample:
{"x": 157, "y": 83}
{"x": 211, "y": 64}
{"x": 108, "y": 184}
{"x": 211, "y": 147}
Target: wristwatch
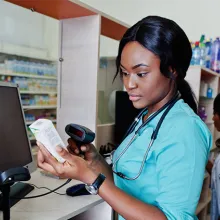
{"x": 94, "y": 187}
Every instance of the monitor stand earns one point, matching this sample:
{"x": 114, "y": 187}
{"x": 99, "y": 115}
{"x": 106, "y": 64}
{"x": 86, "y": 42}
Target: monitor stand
{"x": 8, "y": 189}
{"x": 18, "y": 190}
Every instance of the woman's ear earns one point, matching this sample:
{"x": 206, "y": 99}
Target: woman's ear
{"x": 173, "y": 73}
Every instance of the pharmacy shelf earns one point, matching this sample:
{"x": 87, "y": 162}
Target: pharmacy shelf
{"x": 39, "y": 107}
{"x": 28, "y": 76}
{"x": 25, "y": 52}
{"x": 38, "y": 92}
{"x": 205, "y": 98}
{"x": 30, "y": 122}
{"x": 208, "y": 72}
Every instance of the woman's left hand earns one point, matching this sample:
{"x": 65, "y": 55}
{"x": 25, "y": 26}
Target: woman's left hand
{"x": 73, "y": 168}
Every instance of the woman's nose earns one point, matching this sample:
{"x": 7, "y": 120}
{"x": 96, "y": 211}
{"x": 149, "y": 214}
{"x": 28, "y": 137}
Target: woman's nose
{"x": 132, "y": 82}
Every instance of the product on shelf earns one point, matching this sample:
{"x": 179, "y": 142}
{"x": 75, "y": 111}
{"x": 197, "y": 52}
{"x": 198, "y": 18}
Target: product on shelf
{"x": 26, "y": 67}
{"x": 38, "y": 100}
{"x": 37, "y": 83}
{"x": 206, "y": 53}
{"x": 32, "y": 85}
{"x": 209, "y": 92}
{"x": 33, "y": 117}
{"x": 208, "y": 46}
{"x": 202, "y": 113}
{"x": 196, "y": 55}
{"x": 206, "y": 90}
{"x": 30, "y": 117}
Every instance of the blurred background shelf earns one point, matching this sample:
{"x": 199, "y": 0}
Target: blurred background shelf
{"x": 40, "y": 107}
{"x": 30, "y": 122}
{"x": 38, "y": 92}
{"x": 28, "y": 75}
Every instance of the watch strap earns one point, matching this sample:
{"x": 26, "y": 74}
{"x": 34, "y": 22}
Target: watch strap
{"x": 99, "y": 180}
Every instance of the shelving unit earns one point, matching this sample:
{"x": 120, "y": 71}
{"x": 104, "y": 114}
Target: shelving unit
{"x": 28, "y": 76}
{"x": 195, "y": 76}
{"x": 30, "y": 122}
{"x": 37, "y": 82}
{"x": 38, "y": 92}
{"x": 39, "y": 107}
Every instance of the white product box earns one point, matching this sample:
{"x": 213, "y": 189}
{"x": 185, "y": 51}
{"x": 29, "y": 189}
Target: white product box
{"x": 45, "y": 132}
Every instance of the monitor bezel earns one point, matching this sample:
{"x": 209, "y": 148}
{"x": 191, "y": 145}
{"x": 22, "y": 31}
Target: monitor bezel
{"x": 32, "y": 165}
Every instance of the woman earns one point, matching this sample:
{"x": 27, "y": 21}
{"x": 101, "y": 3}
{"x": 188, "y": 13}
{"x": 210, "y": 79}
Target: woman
{"x": 153, "y": 59}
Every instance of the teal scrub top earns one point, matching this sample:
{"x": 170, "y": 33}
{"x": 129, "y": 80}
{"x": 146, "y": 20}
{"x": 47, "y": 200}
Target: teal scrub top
{"x": 173, "y": 172}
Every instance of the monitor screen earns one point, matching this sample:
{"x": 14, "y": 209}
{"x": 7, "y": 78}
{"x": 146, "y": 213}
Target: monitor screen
{"x": 125, "y": 114}
{"x": 14, "y": 144}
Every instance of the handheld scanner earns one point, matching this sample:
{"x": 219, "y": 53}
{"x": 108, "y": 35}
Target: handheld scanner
{"x": 80, "y": 134}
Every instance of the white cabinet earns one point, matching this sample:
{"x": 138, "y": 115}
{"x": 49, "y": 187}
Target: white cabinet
{"x": 77, "y": 78}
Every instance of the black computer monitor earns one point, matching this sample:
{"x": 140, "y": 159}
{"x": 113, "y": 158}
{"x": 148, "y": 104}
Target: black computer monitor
{"x": 15, "y": 149}
{"x": 125, "y": 114}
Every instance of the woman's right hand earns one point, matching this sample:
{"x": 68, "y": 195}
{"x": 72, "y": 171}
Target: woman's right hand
{"x": 90, "y": 153}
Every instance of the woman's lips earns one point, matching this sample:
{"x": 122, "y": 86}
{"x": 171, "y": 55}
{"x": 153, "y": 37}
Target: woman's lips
{"x": 134, "y": 98}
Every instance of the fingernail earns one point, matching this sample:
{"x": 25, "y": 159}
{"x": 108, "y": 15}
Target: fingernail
{"x": 59, "y": 149}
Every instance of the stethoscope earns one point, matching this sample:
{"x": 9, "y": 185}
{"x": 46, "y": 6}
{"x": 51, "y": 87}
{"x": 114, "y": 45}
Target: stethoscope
{"x": 168, "y": 107}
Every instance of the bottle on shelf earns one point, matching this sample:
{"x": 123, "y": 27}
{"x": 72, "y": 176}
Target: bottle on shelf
{"x": 202, "y": 55}
{"x": 202, "y": 113}
{"x": 215, "y": 56}
{"x": 208, "y": 47}
{"x": 196, "y": 54}
{"x": 209, "y": 92}
{"x": 202, "y": 38}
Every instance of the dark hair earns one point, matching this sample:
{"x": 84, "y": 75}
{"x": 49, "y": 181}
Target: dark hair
{"x": 217, "y": 105}
{"x": 168, "y": 41}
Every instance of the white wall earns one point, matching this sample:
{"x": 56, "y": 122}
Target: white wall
{"x": 194, "y": 16}
{"x": 22, "y": 27}
{"x": 108, "y": 47}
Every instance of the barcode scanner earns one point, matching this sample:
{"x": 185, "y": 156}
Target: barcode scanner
{"x": 80, "y": 135}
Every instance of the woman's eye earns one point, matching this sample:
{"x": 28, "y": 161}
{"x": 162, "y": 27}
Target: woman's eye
{"x": 142, "y": 74}
{"x": 124, "y": 73}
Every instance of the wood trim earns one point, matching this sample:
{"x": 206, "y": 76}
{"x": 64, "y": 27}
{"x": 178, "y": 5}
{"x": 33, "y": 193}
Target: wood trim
{"x": 58, "y": 9}
{"x": 112, "y": 29}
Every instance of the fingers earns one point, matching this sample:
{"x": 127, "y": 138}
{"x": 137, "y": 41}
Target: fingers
{"x": 85, "y": 148}
{"x": 44, "y": 151}
{"x": 41, "y": 163}
{"x": 64, "y": 153}
{"x": 50, "y": 163}
{"x": 72, "y": 147}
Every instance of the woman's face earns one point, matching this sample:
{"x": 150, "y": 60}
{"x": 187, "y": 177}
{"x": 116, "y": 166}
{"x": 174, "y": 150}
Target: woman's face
{"x": 140, "y": 69}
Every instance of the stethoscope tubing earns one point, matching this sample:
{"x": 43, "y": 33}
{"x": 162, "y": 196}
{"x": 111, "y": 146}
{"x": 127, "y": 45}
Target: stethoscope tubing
{"x": 168, "y": 106}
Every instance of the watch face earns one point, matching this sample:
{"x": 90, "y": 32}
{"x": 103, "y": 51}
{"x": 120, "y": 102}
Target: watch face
{"x": 91, "y": 189}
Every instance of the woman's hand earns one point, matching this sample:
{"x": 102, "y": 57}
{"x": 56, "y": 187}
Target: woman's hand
{"x": 91, "y": 155}
{"x": 74, "y": 167}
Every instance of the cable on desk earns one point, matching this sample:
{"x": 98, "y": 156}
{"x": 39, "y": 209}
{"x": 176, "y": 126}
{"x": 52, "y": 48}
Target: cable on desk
{"x": 44, "y": 194}
{"x": 42, "y": 187}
